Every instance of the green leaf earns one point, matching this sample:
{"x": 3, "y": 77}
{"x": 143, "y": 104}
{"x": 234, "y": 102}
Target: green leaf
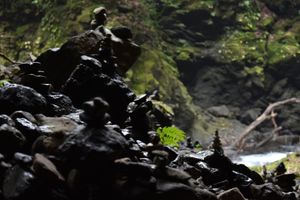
{"x": 171, "y": 136}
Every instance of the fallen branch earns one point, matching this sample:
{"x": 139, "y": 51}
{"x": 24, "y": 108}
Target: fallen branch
{"x": 8, "y": 59}
{"x": 267, "y": 114}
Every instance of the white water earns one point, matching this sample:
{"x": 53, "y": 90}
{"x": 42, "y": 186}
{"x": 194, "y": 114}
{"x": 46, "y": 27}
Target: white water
{"x": 260, "y": 159}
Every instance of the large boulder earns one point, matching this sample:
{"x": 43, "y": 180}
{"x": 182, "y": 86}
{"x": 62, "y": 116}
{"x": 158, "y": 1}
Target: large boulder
{"x": 15, "y": 97}
{"x": 59, "y": 63}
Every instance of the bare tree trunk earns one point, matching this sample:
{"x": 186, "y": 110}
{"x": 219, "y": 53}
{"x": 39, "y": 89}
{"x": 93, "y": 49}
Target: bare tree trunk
{"x": 267, "y": 114}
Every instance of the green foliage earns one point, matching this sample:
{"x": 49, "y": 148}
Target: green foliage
{"x": 171, "y": 136}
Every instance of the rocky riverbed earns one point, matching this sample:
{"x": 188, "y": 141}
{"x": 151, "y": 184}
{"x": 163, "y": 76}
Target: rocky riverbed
{"x": 70, "y": 128}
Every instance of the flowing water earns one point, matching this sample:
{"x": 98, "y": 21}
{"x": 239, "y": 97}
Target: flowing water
{"x": 260, "y": 159}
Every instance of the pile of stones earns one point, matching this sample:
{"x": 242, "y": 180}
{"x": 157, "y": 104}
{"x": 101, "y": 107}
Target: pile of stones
{"x": 71, "y": 129}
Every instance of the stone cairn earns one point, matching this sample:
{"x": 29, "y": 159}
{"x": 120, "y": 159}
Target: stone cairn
{"x": 71, "y": 129}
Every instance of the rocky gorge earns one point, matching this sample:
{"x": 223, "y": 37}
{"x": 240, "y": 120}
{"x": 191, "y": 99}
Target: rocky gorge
{"x": 71, "y": 128}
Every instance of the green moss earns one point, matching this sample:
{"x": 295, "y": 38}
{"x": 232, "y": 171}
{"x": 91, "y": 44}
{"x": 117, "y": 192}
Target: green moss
{"x": 185, "y": 51}
{"x": 282, "y": 49}
{"x": 206, "y": 5}
{"x": 239, "y": 46}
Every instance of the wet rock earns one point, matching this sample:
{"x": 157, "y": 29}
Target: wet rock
{"x": 28, "y": 129}
{"x": 23, "y": 160}
{"x": 5, "y": 119}
{"x": 15, "y": 97}
{"x": 25, "y": 115}
{"x": 59, "y": 104}
{"x": 219, "y": 111}
{"x": 232, "y": 194}
{"x": 11, "y": 140}
{"x": 251, "y": 174}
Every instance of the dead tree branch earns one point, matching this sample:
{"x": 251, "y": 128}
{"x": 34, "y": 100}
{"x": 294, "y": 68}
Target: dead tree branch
{"x": 267, "y": 114}
{"x": 8, "y": 59}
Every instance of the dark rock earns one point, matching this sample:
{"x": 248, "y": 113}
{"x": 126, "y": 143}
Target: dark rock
{"x": 25, "y": 115}
{"x": 171, "y": 190}
{"x": 286, "y": 182}
{"x": 86, "y": 83}
{"x": 5, "y": 119}
{"x": 58, "y": 64}
{"x": 36, "y": 81}
{"x": 18, "y": 184}
{"x": 250, "y": 115}
{"x": 44, "y": 168}
{"x": 138, "y": 112}
{"x": 59, "y": 104}
{"x": 29, "y": 130}
{"x": 270, "y": 191}
{"x": 232, "y": 194}
{"x": 93, "y": 151}
{"x": 11, "y": 140}
{"x": 95, "y": 112}
{"x": 30, "y": 68}
{"x": 15, "y": 97}
{"x": 122, "y": 32}
{"x": 246, "y": 171}
{"x": 54, "y": 131}
{"x": 23, "y": 159}
{"x": 210, "y": 175}
{"x": 220, "y": 111}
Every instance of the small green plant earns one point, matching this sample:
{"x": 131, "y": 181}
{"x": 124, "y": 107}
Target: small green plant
{"x": 171, "y": 136}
